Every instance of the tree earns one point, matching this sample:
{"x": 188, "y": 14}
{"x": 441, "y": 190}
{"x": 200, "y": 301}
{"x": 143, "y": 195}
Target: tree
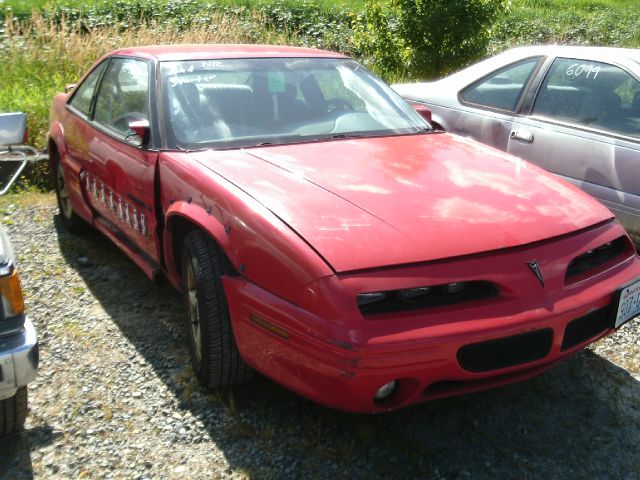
{"x": 425, "y": 38}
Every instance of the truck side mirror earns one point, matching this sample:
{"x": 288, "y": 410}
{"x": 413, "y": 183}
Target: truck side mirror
{"x": 13, "y": 129}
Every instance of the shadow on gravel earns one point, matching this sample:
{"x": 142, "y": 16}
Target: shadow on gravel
{"x": 580, "y": 420}
{"x": 15, "y": 451}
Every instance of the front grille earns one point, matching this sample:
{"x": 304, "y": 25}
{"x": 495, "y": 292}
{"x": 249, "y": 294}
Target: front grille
{"x": 582, "y": 329}
{"x": 594, "y": 258}
{"x": 506, "y": 352}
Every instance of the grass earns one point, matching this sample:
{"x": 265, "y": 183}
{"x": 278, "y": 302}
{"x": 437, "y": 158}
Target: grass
{"x": 39, "y": 56}
{"x": 576, "y": 22}
{"x": 24, "y": 8}
{"x": 26, "y": 198}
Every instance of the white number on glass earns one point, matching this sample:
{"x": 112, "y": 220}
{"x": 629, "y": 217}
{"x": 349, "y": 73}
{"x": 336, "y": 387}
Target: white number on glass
{"x": 577, "y": 69}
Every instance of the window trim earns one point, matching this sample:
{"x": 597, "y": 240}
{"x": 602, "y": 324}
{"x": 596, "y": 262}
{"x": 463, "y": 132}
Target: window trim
{"x": 96, "y": 87}
{"x": 525, "y": 87}
{"x": 577, "y": 126}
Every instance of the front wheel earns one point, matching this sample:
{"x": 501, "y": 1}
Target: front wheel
{"x": 214, "y": 355}
{"x": 13, "y": 411}
{"x": 70, "y": 219}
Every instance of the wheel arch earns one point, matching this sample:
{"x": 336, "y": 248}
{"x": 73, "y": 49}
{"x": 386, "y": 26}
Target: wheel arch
{"x": 55, "y": 144}
{"x": 179, "y": 222}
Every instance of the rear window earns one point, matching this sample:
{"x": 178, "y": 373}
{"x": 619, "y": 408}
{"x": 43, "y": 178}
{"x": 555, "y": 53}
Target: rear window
{"x": 503, "y": 88}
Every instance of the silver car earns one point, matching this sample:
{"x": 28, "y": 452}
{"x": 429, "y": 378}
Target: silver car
{"x": 574, "y": 111}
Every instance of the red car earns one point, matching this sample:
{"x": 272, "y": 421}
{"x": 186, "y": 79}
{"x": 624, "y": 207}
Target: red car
{"x": 323, "y": 234}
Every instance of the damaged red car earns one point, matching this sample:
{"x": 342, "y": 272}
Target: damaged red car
{"x": 323, "y": 234}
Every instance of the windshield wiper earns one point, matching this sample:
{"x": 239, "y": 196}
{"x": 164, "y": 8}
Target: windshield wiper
{"x": 344, "y": 135}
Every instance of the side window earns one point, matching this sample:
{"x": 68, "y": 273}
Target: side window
{"x": 502, "y": 89}
{"x": 591, "y": 94}
{"x": 123, "y": 96}
{"x": 83, "y": 95}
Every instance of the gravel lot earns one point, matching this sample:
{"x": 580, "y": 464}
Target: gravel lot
{"x": 115, "y": 397}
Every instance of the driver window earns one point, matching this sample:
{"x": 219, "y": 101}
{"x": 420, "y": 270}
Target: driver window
{"x": 124, "y": 95}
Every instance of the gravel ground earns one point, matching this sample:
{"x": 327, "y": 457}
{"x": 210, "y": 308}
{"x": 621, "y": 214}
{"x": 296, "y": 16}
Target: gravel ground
{"x": 115, "y": 397}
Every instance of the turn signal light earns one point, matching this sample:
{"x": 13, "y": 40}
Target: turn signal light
{"x": 11, "y": 292}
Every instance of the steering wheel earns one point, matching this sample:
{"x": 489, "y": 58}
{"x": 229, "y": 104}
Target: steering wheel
{"x": 339, "y": 105}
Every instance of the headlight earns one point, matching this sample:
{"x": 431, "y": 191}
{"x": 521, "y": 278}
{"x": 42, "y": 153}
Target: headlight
{"x": 423, "y": 297}
{"x": 367, "y": 298}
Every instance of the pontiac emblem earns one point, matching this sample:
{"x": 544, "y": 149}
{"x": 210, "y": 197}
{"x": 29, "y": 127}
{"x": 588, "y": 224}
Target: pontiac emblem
{"x": 533, "y": 265}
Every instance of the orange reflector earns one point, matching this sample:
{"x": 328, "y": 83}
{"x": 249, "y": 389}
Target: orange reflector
{"x": 12, "y": 293}
{"x": 269, "y": 326}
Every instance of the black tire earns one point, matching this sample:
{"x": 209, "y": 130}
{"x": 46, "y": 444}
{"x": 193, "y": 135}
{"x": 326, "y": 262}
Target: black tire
{"x": 70, "y": 219}
{"x": 13, "y": 412}
{"x": 214, "y": 355}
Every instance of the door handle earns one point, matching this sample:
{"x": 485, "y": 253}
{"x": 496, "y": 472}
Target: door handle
{"x": 523, "y": 135}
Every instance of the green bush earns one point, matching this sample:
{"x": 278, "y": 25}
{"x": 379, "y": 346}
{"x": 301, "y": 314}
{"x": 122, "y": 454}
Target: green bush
{"x": 425, "y": 38}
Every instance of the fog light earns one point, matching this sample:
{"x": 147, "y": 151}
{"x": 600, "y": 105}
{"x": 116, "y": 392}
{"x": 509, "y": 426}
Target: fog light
{"x": 385, "y": 392}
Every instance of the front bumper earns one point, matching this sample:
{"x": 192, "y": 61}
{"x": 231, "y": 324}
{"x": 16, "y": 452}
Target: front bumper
{"x": 19, "y": 357}
{"x": 342, "y": 360}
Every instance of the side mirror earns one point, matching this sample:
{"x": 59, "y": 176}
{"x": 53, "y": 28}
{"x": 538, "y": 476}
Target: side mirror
{"x": 422, "y": 110}
{"x": 13, "y": 129}
{"x": 69, "y": 87}
{"x": 140, "y": 133}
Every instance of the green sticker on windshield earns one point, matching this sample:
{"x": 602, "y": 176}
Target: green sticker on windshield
{"x": 275, "y": 80}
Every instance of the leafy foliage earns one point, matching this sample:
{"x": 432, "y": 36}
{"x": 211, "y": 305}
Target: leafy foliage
{"x": 313, "y": 23}
{"x": 426, "y": 38}
{"x": 565, "y": 22}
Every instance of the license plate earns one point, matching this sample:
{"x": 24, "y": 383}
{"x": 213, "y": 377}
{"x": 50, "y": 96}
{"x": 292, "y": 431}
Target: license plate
{"x": 628, "y": 303}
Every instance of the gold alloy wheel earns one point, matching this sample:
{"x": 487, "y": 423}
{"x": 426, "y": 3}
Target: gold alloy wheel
{"x": 63, "y": 193}
{"x": 194, "y": 315}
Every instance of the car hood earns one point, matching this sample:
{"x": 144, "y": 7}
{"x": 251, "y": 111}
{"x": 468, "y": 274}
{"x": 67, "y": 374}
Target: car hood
{"x": 364, "y": 203}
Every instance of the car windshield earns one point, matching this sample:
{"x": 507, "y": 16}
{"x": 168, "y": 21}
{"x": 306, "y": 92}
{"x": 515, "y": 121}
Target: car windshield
{"x": 259, "y": 101}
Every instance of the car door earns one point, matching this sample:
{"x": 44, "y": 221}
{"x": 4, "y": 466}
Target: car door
{"x": 489, "y": 106}
{"x": 585, "y": 126}
{"x": 119, "y": 179}
{"x": 78, "y": 131}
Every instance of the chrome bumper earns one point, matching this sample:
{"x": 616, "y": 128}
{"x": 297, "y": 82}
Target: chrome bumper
{"x": 19, "y": 356}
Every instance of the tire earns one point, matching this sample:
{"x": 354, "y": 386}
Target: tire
{"x": 214, "y": 354}
{"x": 13, "y": 412}
{"x": 70, "y": 219}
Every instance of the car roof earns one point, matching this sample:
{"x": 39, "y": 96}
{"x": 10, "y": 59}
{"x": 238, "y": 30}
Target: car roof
{"x": 595, "y": 53}
{"x": 624, "y": 56}
{"x": 220, "y": 51}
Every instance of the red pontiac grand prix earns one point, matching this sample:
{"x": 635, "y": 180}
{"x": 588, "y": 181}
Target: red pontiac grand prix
{"x": 323, "y": 234}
